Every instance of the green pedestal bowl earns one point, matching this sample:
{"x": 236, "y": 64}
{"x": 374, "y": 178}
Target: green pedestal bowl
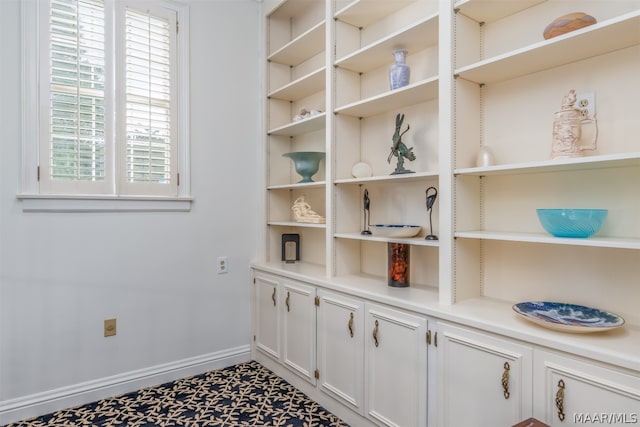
{"x": 306, "y": 163}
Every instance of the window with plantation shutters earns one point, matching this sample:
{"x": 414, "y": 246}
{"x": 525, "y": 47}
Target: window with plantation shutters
{"x": 148, "y": 150}
{"x": 108, "y": 117}
{"x": 76, "y": 152}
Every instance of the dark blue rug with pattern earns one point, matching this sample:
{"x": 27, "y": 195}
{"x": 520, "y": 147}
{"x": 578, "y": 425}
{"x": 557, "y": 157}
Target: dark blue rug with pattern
{"x": 246, "y": 394}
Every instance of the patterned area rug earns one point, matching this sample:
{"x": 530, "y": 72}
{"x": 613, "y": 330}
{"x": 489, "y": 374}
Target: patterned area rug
{"x": 246, "y": 394}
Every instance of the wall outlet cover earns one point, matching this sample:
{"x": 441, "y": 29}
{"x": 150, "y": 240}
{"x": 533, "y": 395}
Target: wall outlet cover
{"x": 109, "y": 327}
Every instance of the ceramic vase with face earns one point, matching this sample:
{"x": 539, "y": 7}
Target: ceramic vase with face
{"x": 567, "y": 130}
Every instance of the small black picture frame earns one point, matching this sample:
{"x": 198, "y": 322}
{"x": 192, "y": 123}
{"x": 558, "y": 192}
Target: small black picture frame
{"x": 290, "y": 247}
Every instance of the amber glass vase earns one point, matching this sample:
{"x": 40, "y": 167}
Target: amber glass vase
{"x": 398, "y": 255}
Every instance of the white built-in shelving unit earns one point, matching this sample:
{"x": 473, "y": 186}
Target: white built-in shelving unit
{"x": 508, "y": 83}
{"x": 482, "y": 75}
{"x": 487, "y": 62}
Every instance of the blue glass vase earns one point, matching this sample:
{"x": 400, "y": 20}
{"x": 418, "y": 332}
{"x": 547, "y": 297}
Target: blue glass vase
{"x": 399, "y": 72}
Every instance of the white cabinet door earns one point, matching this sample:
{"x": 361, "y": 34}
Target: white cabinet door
{"x": 299, "y": 328}
{"x": 267, "y": 315}
{"x": 483, "y": 380}
{"x": 341, "y": 348}
{"x": 395, "y": 367}
{"x": 569, "y": 392}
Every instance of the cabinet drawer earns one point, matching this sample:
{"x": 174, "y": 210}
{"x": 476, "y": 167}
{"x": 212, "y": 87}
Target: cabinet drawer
{"x": 299, "y": 328}
{"x": 569, "y": 391}
{"x": 484, "y": 380}
{"x": 396, "y": 367}
{"x": 267, "y": 315}
{"x": 341, "y": 348}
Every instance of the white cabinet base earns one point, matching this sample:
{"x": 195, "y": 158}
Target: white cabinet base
{"x": 267, "y": 316}
{"x": 572, "y": 392}
{"x": 396, "y": 367}
{"x": 299, "y": 329}
{"x": 341, "y": 349}
{"x": 483, "y": 380}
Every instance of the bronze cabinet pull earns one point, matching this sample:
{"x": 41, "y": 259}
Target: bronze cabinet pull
{"x": 505, "y": 380}
{"x": 273, "y": 297}
{"x": 560, "y": 400}
{"x": 375, "y": 334}
{"x": 286, "y": 301}
{"x": 350, "y": 325}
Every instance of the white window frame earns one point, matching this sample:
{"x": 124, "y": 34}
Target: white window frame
{"x": 33, "y": 200}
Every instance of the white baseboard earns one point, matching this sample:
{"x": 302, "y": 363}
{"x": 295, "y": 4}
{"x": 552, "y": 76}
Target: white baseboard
{"x": 79, "y": 394}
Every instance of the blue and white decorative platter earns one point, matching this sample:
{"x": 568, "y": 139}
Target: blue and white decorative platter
{"x": 568, "y": 317}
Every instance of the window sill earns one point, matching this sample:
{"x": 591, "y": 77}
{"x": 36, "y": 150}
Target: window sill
{"x": 102, "y": 203}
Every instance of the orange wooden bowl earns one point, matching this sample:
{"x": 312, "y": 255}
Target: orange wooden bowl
{"x": 568, "y": 23}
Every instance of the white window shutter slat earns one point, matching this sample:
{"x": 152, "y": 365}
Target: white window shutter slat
{"x": 76, "y": 156}
{"x": 149, "y": 111}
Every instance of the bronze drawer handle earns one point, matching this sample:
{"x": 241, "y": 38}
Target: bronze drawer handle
{"x": 560, "y": 400}
{"x": 375, "y": 334}
{"x": 350, "y": 325}
{"x": 505, "y": 380}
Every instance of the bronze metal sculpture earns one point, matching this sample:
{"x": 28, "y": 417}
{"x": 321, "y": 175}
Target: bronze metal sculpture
{"x": 399, "y": 149}
{"x": 431, "y": 199}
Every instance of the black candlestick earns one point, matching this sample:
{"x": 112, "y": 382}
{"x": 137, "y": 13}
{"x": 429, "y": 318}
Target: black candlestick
{"x": 431, "y": 199}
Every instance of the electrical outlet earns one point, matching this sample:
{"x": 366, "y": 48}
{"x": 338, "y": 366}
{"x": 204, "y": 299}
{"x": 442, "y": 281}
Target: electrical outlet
{"x": 109, "y": 327}
{"x": 222, "y": 265}
{"x": 586, "y": 104}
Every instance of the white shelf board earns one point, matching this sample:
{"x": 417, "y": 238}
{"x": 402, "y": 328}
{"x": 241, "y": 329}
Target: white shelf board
{"x": 301, "y": 270}
{"x": 302, "y": 87}
{"x": 418, "y": 176}
{"x": 604, "y": 37}
{"x": 414, "y": 297}
{"x": 558, "y": 165}
{"x": 412, "y": 94}
{"x": 362, "y": 13}
{"x": 415, "y": 37}
{"x": 296, "y": 224}
{"x": 620, "y": 346}
{"x": 289, "y": 8}
{"x": 418, "y": 298}
{"x": 415, "y": 241}
{"x": 595, "y": 241}
{"x": 297, "y": 186}
{"x": 300, "y": 127}
{"x": 303, "y": 47}
{"x": 492, "y": 10}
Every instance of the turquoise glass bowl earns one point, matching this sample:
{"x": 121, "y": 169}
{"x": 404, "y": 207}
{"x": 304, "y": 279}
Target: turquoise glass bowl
{"x": 306, "y": 163}
{"x": 572, "y": 222}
